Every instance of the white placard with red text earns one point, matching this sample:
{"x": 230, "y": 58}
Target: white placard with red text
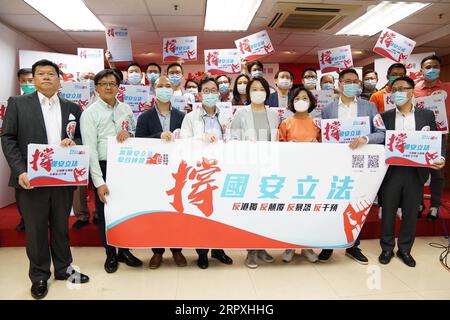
{"x": 118, "y": 42}
{"x": 394, "y": 46}
{"x": 388, "y": 103}
{"x": 435, "y": 103}
{"x": 3, "y": 105}
{"x": 90, "y": 60}
{"x": 255, "y": 46}
{"x": 180, "y": 48}
{"x": 135, "y": 96}
{"x": 53, "y": 165}
{"x": 335, "y": 59}
{"x": 344, "y": 130}
{"x": 323, "y": 99}
{"x": 77, "y": 92}
{"x": 222, "y": 61}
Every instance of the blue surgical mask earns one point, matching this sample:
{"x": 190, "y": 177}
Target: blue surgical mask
{"x": 152, "y": 77}
{"x": 399, "y": 98}
{"x": 370, "y": 84}
{"x": 224, "y": 87}
{"x": 164, "y": 94}
{"x": 175, "y": 79}
{"x": 134, "y": 78}
{"x": 327, "y": 86}
{"x": 431, "y": 74}
{"x": 27, "y": 88}
{"x": 210, "y": 99}
{"x": 392, "y": 78}
{"x": 257, "y": 73}
{"x": 351, "y": 90}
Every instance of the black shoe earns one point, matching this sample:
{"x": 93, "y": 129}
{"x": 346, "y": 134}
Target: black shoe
{"x": 74, "y": 277}
{"x": 21, "y": 226}
{"x": 356, "y": 254}
{"x": 39, "y": 289}
{"x": 385, "y": 257}
{"x": 127, "y": 257}
{"x": 202, "y": 261}
{"x": 406, "y": 258}
{"x": 325, "y": 255}
{"x": 80, "y": 224}
{"x": 111, "y": 263}
{"x": 433, "y": 215}
{"x": 221, "y": 256}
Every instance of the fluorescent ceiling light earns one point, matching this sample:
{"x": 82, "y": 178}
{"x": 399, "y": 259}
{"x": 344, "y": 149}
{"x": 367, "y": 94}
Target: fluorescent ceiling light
{"x": 70, "y": 15}
{"x": 381, "y": 16}
{"x": 230, "y": 15}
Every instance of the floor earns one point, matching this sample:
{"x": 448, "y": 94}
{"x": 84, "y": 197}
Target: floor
{"x": 340, "y": 278}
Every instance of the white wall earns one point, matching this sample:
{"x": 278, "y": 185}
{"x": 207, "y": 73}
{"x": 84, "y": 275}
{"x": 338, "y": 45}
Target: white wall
{"x": 10, "y": 43}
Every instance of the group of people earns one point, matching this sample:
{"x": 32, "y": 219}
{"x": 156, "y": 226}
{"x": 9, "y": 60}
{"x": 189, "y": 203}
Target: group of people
{"x": 41, "y": 117}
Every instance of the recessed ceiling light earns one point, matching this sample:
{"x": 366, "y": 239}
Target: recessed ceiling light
{"x": 230, "y": 15}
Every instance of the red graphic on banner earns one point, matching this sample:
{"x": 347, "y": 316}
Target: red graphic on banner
{"x": 402, "y": 57}
{"x": 325, "y": 57}
{"x": 332, "y": 130}
{"x": 202, "y": 178}
{"x": 79, "y": 173}
{"x": 83, "y": 103}
{"x": 245, "y": 46}
{"x": 170, "y": 45}
{"x": 213, "y": 58}
{"x": 190, "y": 54}
{"x": 354, "y": 219}
{"x": 398, "y": 141}
{"x": 46, "y": 159}
{"x": 388, "y": 38}
{"x": 111, "y": 32}
{"x": 235, "y": 67}
{"x": 121, "y": 93}
{"x": 268, "y": 48}
{"x": 83, "y": 54}
{"x": 124, "y": 125}
{"x": 430, "y": 156}
{"x": 348, "y": 63}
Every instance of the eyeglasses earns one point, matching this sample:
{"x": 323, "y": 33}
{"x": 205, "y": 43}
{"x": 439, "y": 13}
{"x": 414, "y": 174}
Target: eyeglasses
{"x": 400, "y": 89}
{"x": 106, "y": 84}
{"x": 206, "y": 91}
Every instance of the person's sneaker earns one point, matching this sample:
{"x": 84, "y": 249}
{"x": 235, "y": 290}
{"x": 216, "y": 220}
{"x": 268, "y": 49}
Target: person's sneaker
{"x": 264, "y": 256}
{"x": 80, "y": 224}
{"x": 325, "y": 255}
{"x": 356, "y": 254}
{"x": 433, "y": 214}
{"x": 310, "y": 255}
{"x": 251, "y": 259}
{"x": 288, "y": 255}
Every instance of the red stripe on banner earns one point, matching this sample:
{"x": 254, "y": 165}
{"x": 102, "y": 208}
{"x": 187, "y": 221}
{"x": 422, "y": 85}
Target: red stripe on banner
{"x": 217, "y": 72}
{"x": 54, "y": 182}
{"x": 169, "y": 229}
{"x": 257, "y": 56}
{"x": 403, "y": 162}
{"x": 384, "y": 53}
{"x": 175, "y": 58}
{"x": 330, "y": 69}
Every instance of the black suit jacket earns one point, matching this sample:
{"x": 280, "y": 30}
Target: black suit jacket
{"x": 423, "y": 118}
{"x": 24, "y": 124}
{"x": 149, "y": 126}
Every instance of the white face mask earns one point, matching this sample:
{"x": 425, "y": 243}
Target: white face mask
{"x": 193, "y": 91}
{"x": 258, "y": 97}
{"x": 310, "y": 83}
{"x": 242, "y": 88}
{"x": 284, "y": 83}
{"x": 301, "y": 105}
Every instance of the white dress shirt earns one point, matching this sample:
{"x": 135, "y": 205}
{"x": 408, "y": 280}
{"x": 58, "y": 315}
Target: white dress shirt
{"x": 405, "y": 122}
{"x": 51, "y": 110}
{"x": 347, "y": 111}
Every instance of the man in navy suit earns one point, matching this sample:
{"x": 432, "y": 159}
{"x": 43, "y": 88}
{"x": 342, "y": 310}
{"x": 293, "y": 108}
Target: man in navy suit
{"x": 160, "y": 122}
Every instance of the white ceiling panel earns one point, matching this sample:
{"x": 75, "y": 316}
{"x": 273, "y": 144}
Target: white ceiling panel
{"x": 117, "y": 7}
{"x": 29, "y": 23}
{"x": 173, "y": 23}
{"x": 51, "y": 37}
{"x": 142, "y": 22}
{"x": 185, "y": 7}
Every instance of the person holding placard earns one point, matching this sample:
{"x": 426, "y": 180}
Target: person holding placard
{"x": 349, "y": 107}
{"x": 395, "y": 70}
{"x": 104, "y": 118}
{"x": 240, "y": 97}
{"x": 431, "y": 84}
{"x": 206, "y": 124}
{"x": 402, "y": 186}
{"x": 44, "y": 118}
{"x": 284, "y": 81}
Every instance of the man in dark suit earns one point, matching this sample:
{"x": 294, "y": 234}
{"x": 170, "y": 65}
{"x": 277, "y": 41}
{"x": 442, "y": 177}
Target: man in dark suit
{"x": 403, "y": 186}
{"x": 160, "y": 122}
{"x": 44, "y": 118}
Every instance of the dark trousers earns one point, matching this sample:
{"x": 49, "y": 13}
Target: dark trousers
{"x": 355, "y": 245}
{"x": 161, "y": 250}
{"x": 205, "y": 251}
{"x": 16, "y": 195}
{"x": 100, "y": 208}
{"x": 42, "y": 209}
{"x": 403, "y": 189}
{"x": 437, "y": 182}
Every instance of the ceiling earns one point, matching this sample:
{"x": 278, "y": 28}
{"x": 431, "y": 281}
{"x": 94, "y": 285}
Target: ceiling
{"x": 149, "y": 21}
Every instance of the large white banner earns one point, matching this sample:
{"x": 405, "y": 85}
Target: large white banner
{"x": 239, "y": 194}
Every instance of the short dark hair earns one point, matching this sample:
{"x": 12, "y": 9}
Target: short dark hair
{"x": 309, "y": 69}
{"x": 396, "y": 65}
{"x": 253, "y": 63}
{"x": 206, "y": 80}
{"x": 153, "y": 64}
{"x": 174, "y": 64}
{"x": 190, "y": 80}
{"x": 369, "y": 71}
{"x": 284, "y": 70}
{"x": 104, "y": 73}
{"x": 263, "y": 82}
{"x": 312, "y": 99}
{"x": 119, "y": 73}
{"x": 407, "y": 79}
{"x": 134, "y": 64}
{"x": 23, "y": 71}
{"x": 431, "y": 57}
{"x": 326, "y": 75}
{"x": 223, "y": 75}
{"x": 44, "y": 63}
{"x": 236, "y": 94}
{"x": 344, "y": 72}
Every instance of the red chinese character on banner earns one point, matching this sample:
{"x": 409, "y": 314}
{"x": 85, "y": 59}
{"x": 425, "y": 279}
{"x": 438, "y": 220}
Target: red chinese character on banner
{"x": 111, "y": 32}
{"x": 399, "y": 141}
{"x": 387, "y": 38}
{"x": 235, "y": 67}
{"x": 347, "y": 63}
{"x": 420, "y": 104}
{"x": 2, "y": 111}
{"x": 83, "y": 103}
{"x": 202, "y": 177}
{"x": 155, "y": 159}
{"x": 325, "y": 57}
{"x": 83, "y": 54}
{"x": 213, "y": 58}
{"x": 402, "y": 57}
{"x": 332, "y": 130}
{"x": 429, "y": 157}
{"x": 268, "y": 48}
{"x": 78, "y": 173}
{"x": 46, "y": 159}
{"x": 190, "y": 54}
{"x": 170, "y": 45}
{"x": 245, "y": 46}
